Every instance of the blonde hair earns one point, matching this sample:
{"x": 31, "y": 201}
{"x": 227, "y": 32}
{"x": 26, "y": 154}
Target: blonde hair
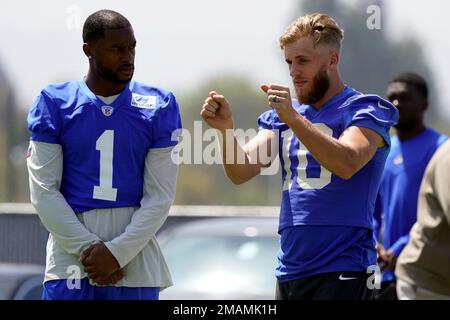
{"x": 320, "y": 26}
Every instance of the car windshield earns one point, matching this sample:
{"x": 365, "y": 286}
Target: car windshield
{"x": 222, "y": 264}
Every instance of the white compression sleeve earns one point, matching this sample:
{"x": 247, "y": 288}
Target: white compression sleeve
{"x": 45, "y": 165}
{"x": 160, "y": 177}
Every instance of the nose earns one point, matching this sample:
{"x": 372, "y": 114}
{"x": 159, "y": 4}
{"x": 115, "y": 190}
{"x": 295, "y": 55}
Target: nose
{"x": 127, "y": 56}
{"x": 294, "y": 70}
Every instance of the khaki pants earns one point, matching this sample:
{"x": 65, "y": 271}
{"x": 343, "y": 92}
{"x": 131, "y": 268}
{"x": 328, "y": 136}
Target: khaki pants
{"x": 406, "y": 291}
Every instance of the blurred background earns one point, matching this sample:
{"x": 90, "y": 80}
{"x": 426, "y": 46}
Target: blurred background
{"x": 192, "y": 47}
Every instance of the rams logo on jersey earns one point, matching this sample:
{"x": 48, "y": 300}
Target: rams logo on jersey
{"x": 145, "y": 102}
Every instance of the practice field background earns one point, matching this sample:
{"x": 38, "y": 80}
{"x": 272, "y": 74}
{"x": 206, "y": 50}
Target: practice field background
{"x": 192, "y": 47}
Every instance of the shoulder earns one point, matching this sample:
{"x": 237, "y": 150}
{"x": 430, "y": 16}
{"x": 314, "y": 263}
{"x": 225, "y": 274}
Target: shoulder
{"x": 151, "y": 91}
{"x": 368, "y": 101}
{"x": 152, "y": 100}
{"x": 60, "y": 90}
{"x": 369, "y": 107}
{"x": 60, "y": 97}
{"x": 436, "y": 136}
{"x": 441, "y": 160}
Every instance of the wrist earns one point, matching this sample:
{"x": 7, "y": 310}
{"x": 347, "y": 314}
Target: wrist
{"x": 293, "y": 118}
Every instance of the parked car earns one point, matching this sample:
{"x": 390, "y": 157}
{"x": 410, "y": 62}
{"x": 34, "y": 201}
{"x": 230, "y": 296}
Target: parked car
{"x": 221, "y": 258}
{"x": 21, "y": 281}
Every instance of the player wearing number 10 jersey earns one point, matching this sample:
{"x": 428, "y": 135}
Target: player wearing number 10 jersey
{"x": 332, "y": 144}
{"x": 102, "y": 175}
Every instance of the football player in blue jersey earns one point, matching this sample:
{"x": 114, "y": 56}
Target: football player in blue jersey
{"x": 332, "y": 143}
{"x": 101, "y": 172}
{"x": 412, "y": 148}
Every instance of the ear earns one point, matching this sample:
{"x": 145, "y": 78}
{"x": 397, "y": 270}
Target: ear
{"x": 425, "y": 105}
{"x": 334, "y": 59}
{"x": 87, "y": 50}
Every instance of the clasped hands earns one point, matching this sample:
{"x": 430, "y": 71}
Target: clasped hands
{"x": 101, "y": 265}
{"x": 386, "y": 258}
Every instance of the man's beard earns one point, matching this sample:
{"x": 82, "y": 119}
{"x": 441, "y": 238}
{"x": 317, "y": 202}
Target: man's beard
{"x": 111, "y": 76}
{"x": 319, "y": 87}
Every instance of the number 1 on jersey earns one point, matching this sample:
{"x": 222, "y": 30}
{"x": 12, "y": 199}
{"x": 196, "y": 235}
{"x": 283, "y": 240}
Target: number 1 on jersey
{"x": 105, "y": 144}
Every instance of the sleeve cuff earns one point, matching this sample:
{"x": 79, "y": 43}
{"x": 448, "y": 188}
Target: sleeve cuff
{"x": 116, "y": 253}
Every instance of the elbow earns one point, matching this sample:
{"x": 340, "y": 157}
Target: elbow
{"x": 345, "y": 175}
{"x": 348, "y": 171}
{"x": 236, "y": 180}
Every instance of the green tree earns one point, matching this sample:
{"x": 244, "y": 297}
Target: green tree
{"x": 369, "y": 57}
{"x": 208, "y": 184}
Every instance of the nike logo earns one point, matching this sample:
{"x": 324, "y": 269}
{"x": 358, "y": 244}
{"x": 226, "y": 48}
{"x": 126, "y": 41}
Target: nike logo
{"x": 342, "y": 278}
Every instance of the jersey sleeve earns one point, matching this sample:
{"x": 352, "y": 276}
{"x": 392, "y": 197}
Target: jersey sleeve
{"x": 43, "y": 121}
{"x": 266, "y": 120}
{"x": 167, "y": 124}
{"x": 378, "y": 115}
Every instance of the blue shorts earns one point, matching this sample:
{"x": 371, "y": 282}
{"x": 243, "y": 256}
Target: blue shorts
{"x": 59, "y": 290}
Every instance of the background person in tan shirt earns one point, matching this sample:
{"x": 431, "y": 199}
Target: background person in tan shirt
{"x": 423, "y": 267}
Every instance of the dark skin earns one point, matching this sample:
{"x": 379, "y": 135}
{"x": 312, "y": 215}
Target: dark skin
{"x": 111, "y": 67}
{"x": 411, "y": 106}
{"x": 111, "y": 61}
{"x": 100, "y": 265}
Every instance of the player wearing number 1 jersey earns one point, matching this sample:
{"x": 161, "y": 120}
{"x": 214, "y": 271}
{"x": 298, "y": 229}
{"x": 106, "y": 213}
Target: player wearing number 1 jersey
{"x": 332, "y": 143}
{"x": 101, "y": 173}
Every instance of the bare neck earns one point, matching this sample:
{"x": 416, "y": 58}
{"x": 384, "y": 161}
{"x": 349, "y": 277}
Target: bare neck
{"x": 336, "y": 86}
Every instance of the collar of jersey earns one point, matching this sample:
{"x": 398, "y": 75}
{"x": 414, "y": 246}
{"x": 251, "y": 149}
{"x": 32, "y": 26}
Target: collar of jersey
{"x": 98, "y": 102}
{"x": 341, "y": 96}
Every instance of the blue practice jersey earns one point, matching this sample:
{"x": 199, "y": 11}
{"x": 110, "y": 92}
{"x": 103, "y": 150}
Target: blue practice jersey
{"x": 319, "y": 205}
{"x": 104, "y": 146}
{"x": 396, "y": 206}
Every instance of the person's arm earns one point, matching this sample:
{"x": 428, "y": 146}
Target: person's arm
{"x": 241, "y": 163}
{"x": 441, "y": 178}
{"x": 343, "y": 156}
{"x": 398, "y": 245}
{"x": 377, "y": 219}
{"x": 45, "y": 164}
{"x": 160, "y": 175}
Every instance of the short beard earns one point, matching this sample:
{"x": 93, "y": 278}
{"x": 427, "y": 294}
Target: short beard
{"x": 320, "y": 85}
{"x": 111, "y": 76}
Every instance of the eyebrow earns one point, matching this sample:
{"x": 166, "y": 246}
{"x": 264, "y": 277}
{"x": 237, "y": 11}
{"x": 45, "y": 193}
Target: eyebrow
{"x": 298, "y": 57}
{"x": 120, "y": 44}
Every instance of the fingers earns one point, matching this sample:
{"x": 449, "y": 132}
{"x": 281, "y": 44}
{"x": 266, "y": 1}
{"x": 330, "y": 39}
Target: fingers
{"x": 278, "y": 93}
{"x": 112, "y": 279}
{"x": 212, "y": 104}
{"x": 117, "y": 276}
{"x": 86, "y": 253}
{"x": 93, "y": 275}
{"x": 272, "y": 86}
{"x": 89, "y": 269}
{"x": 206, "y": 114}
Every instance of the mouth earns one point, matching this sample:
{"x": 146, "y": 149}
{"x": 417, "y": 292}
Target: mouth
{"x": 300, "y": 83}
{"x": 126, "y": 70}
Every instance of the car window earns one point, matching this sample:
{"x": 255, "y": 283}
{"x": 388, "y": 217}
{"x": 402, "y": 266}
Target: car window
{"x": 30, "y": 289}
{"x": 222, "y": 263}
{"x": 34, "y": 293}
